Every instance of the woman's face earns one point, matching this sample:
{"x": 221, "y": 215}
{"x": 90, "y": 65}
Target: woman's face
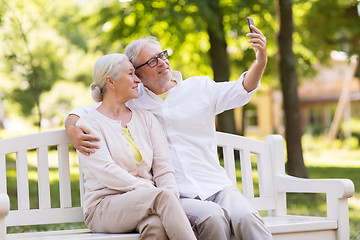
{"x": 126, "y": 82}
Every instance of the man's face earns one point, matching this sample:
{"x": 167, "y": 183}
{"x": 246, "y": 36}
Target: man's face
{"x": 160, "y": 74}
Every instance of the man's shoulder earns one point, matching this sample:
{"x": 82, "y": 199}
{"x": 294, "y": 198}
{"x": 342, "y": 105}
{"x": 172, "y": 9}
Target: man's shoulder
{"x": 198, "y": 80}
{"x": 177, "y": 76}
{"x": 91, "y": 116}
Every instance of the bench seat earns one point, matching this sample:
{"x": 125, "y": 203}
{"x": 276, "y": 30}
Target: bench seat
{"x": 268, "y": 157}
{"x": 75, "y": 234}
{"x": 301, "y": 227}
{"x": 282, "y": 227}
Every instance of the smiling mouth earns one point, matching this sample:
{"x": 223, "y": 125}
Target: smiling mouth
{"x": 164, "y": 70}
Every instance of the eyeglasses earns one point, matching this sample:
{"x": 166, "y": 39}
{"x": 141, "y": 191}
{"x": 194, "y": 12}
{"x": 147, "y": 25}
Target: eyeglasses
{"x": 152, "y": 62}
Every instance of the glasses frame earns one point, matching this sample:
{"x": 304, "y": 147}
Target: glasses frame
{"x": 165, "y": 56}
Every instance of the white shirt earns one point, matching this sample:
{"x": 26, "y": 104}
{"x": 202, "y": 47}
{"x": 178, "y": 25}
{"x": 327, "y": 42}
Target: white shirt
{"x": 188, "y": 117}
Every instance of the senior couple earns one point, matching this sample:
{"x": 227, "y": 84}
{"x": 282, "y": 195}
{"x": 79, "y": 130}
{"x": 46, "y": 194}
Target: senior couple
{"x": 148, "y": 148}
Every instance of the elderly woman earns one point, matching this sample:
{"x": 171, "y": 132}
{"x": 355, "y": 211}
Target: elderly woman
{"x": 129, "y": 181}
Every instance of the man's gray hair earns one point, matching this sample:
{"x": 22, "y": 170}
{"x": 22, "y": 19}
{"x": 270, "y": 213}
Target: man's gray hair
{"x": 133, "y": 49}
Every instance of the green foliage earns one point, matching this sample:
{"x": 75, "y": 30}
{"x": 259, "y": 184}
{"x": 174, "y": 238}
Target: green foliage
{"x": 42, "y": 43}
{"x": 40, "y": 73}
{"x": 32, "y": 61}
{"x": 316, "y": 129}
{"x": 182, "y": 26}
{"x": 330, "y": 25}
{"x": 64, "y": 95}
{"x": 354, "y": 126}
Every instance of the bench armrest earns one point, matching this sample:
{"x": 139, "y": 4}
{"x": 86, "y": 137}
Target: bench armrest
{"x": 4, "y": 210}
{"x": 340, "y": 188}
{"x": 337, "y": 193}
{"x": 4, "y": 205}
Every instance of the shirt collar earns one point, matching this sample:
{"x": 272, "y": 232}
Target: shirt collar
{"x": 176, "y": 75}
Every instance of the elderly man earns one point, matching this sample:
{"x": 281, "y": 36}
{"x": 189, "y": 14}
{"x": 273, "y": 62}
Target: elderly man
{"x": 186, "y": 109}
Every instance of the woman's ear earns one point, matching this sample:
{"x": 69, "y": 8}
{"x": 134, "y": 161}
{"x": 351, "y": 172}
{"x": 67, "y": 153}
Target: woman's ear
{"x": 109, "y": 82}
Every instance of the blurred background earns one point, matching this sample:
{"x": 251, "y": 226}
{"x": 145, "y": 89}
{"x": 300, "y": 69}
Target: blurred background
{"x": 310, "y": 91}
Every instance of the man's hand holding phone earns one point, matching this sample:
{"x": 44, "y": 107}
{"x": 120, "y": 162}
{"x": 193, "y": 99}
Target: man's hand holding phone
{"x": 258, "y": 41}
{"x": 250, "y": 22}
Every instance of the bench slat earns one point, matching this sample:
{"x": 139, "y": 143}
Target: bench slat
{"x": 266, "y": 188}
{"x": 80, "y": 234}
{"x": 229, "y": 163}
{"x": 292, "y": 223}
{"x": 246, "y": 174}
{"x": 64, "y": 176}
{"x": 31, "y": 141}
{"x": 43, "y": 178}
{"x": 3, "y": 174}
{"x": 45, "y": 216}
{"x": 22, "y": 178}
{"x": 262, "y": 203}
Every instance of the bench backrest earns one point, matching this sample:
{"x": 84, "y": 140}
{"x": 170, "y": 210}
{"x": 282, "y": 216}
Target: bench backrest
{"x": 249, "y": 151}
{"x": 255, "y": 165}
{"x": 44, "y": 213}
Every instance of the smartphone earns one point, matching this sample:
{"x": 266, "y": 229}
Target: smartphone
{"x": 250, "y": 22}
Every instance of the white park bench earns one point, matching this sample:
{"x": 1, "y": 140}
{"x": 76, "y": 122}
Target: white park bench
{"x": 273, "y": 185}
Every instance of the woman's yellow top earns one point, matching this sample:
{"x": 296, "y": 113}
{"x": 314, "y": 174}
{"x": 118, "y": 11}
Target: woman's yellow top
{"x": 133, "y": 147}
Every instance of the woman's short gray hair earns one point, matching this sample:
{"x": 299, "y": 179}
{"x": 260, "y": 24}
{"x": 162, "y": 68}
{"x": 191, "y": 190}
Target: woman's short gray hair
{"x": 132, "y": 50}
{"x": 107, "y": 65}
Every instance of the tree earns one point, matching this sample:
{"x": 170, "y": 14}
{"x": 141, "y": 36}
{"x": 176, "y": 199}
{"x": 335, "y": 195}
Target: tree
{"x": 33, "y": 61}
{"x": 197, "y": 30}
{"x": 212, "y": 15}
{"x": 331, "y": 25}
{"x": 288, "y": 78}
{"x": 42, "y": 43}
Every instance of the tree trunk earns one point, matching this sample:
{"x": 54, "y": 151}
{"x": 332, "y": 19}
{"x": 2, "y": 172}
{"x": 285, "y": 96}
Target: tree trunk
{"x": 220, "y": 63}
{"x": 295, "y": 163}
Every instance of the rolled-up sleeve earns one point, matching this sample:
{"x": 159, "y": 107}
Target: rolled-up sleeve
{"x": 82, "y": 111}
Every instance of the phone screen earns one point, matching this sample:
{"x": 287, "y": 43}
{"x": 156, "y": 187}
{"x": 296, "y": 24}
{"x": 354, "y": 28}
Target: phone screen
{"x": 250, "y": 22}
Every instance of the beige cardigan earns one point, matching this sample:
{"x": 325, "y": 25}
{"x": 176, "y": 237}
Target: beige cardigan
{"x": 112, "y": 168}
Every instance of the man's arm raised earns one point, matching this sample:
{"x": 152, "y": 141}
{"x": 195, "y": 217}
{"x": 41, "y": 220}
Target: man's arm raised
{"x": 80, "y": 136}
{"x": 256, "y": 70}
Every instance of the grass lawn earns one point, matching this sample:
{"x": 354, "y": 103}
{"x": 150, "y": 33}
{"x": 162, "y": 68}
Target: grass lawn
{"x": 330, "y": 163}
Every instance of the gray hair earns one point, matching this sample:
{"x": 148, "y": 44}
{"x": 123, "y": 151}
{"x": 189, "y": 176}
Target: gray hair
{"x": 132, "y": 50}
{"x": 107, "y": 65}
